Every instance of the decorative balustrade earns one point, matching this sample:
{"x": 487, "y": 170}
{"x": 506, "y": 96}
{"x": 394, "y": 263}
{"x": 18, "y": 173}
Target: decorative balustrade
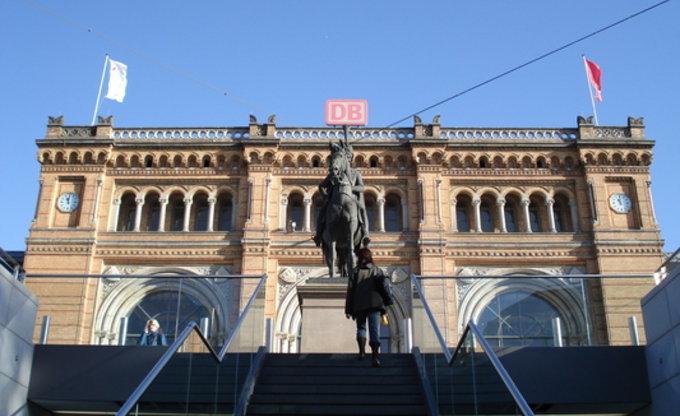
{"x": 536, "y": 135}
{"x": 540, "y": 135}
{"x": 181, "y": 133}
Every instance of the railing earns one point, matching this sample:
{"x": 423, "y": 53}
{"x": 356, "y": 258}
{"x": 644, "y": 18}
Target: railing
{"x": 247, "y": 334}
{"x": 463, "y": 382}
{"x": 495, "y": 313}
{"x": 127, "y": 300}
{"x": 11, "y": 265}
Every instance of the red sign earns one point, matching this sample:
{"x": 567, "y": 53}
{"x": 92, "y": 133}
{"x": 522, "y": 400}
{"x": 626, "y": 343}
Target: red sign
{"x": 347, "y": 112}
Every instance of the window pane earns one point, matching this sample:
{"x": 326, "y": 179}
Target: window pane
{"x": 462, "y": 219}
{"x": 518, "y": 318}
{"x": 510, "y": 220}
{"x": 485, "y": 215}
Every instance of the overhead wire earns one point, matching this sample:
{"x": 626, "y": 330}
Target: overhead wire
{"x": 534, "y": 60}
{"x": 146, "y": 56}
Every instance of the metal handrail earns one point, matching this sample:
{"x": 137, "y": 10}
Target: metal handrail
{"x": 502, "y": 372}
{"x": 144, "y": 276}
{"x": 541, "y": 276}
{"x": 174, "y": 347}
{"x": 440, "y": 337}
{"x": 507, "y": 380}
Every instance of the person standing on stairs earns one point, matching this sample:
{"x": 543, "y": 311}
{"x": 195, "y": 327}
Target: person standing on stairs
{"x": 368, "y": 295}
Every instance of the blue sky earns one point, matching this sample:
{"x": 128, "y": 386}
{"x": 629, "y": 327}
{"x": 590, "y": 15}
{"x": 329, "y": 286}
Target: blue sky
{"x": 288, "y": 57}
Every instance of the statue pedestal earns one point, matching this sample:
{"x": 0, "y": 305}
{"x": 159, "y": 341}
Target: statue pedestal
{"x": 325, "y": 329}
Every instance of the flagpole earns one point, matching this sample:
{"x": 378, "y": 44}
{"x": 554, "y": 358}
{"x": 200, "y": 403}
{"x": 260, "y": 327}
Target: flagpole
{"x": 590, "y": 89}
{"x": 99, "y": 93}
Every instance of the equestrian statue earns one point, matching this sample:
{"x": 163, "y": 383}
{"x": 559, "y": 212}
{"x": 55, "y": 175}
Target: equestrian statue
{"x": 342, "y": 223}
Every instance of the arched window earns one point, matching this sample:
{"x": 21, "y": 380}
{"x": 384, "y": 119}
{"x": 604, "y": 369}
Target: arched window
{"x": 562, "y": 215}
{"x": 393, "y": 215}
{"x": 296, "y": 211}
{"x": 151, "y": 213}
{"x": 171, "y": 309}
{"x": 510, "y": 212}
{"x": 199, "y": 208}
{"x": 225, "y": 212}
{"x": 371, "y": 210}
{"x": 463, "y": 213}
{"x": 535, "y": 217}
{"x": 148, "y": 161}
{"x": 516, "y": 318}
{"x": 126, "y": 215}
{"x": 373, "y": 161}
{"x": 486, "y": 215}
{"x": 175, "y": 214}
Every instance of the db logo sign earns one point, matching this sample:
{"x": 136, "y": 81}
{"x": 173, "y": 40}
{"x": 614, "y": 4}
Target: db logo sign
{"x": 347, "y": 112}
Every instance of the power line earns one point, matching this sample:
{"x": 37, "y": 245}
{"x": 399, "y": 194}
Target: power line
{"x": 150, "y": 58}
{"x": 545, "y": 55}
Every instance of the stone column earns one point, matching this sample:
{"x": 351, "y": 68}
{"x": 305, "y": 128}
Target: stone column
{"x": 307, "y": 220}
{"x": 651, "y": 201}
{"x": 95, "y": 209}
{"x": 476, "y": 203}
{"x": 115, "y": 214}
{"x": 549, "y": 203}
{"x": 187, "y": 213}
{"x": 138, "y": 212}
{"x": 454, "y": 215}
{"x": 211, "y": 212}
{"x": 500, "y": 203}
{"x": 527, "y": 217}
{"x": 573, "y": 209}
{"x": 163, "y": 200}
{"x": 282, "y": 214}
{"x": 267, "y": 187}
{"x": 381, "y": 214}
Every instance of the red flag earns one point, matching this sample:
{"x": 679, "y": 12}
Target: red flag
{"x": 595, "y": 76}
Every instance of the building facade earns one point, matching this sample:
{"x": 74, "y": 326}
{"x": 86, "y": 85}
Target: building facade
{"x": 441, "y": 201}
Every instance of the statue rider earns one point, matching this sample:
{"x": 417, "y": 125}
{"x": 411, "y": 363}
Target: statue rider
{"x": 357, "y": 183}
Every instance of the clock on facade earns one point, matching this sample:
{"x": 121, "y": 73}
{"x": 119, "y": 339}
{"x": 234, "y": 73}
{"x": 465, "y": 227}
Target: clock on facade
{"x": 68, "y": 202}
{"x": 620, "y": 203}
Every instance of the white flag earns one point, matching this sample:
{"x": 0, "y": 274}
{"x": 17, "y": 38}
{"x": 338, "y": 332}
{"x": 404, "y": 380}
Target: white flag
{"x": 117, "y": 80}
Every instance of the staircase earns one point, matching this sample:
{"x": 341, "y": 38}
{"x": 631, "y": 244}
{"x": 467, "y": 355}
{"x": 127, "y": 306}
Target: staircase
{"x": 337, "y": 384}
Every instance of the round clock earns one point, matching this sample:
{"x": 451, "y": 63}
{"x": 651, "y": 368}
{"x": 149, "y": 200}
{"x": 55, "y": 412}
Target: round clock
{"x": 620, "y": 203}
{"x": 68, "y": 202}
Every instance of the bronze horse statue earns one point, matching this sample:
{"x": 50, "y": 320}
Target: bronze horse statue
{"x": 341, "y": 235}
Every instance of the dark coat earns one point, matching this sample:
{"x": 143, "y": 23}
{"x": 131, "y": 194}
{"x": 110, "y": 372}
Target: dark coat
{"x": 367, "y": 290}
{"x": 152, "y": 338}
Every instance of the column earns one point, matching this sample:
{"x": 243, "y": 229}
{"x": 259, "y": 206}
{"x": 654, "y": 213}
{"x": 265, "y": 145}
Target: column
{"x": 95, "y": 209}
{"x": 163, "y": 200}
{"x": 573, "y": 208}
{"x": 187, "y": 213}
{"x": 249, "y": 211}
{"x": 549, "y": 202}
{"x": 525, "y": 209}
{"x": 381, "y": 214}
{"x": 139, "y": 201}
{"x": 591, "y": 199}
{"x": 500, "y": 203}
{"x": 283, "y": 210}
{"x": 211, "y": 212}
{"x": 651, "y": 201}
{"x": 476, "y": 203}
{"x": 421, "y": 200}
{"x": 115, "y": 214}
{"x": 267, "y": 186}
{"x": 454, "y": 215}
{"x": 37, "y": 202}
{"x": 438, "y": 204}
{"x": 307, "y": 220}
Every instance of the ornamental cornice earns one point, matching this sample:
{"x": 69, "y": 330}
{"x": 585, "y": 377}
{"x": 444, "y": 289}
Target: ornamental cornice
{"x": 58, "y": 248}
{"x": 626, "y": 251}
{"x": 178, "y": 182}
{"x": 509, "y": 172}
{"x": 164, "y": 253}
{"x": 500, "y": 184}
{"x": 72, "y": 168}
{"x": 633, "y": 170}
{"x": 169, "y": 172}
{"x": 465, "y": 254}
